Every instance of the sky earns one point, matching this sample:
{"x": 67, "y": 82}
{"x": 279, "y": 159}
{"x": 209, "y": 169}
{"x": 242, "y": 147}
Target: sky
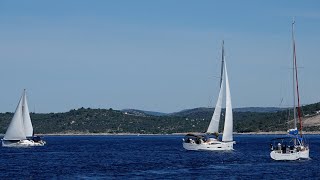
{"x": 161, "y": 55}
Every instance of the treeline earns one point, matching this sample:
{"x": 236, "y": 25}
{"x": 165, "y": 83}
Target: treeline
{"x": 86, "y": 120}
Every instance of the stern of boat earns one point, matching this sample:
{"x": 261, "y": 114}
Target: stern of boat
{"x": 304, "y": 154}
{"x": 279, "y": 156}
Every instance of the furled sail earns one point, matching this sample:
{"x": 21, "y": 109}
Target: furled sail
{"x": 15, "y": 130}
{"x": 214, "y": 123}
{"x": 26, "y": 117}
{"x": 228, "y": 123}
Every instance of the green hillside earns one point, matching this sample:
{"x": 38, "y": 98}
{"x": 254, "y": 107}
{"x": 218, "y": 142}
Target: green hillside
{"x": 86, "y": 120}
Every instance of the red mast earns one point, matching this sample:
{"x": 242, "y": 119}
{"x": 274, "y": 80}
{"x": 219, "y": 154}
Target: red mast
{"x": 296, "y": 70}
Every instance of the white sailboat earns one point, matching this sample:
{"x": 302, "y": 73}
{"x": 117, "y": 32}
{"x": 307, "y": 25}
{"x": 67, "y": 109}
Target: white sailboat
{"x": 293, "y": 147}
{"x": 206, "y": 141}
{"x": 20, "y": 130}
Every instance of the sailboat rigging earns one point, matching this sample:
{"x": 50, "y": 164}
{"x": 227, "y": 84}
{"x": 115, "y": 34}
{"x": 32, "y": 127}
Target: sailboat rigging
{"x": 20, "y": 129}
{"x": 206, "y": 141}
{"x": 294, "y": 146}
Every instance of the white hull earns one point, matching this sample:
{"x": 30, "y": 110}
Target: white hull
{"x": 22, "y": 143}
{"x": 211, "y": 146}
{"x": 279, "y": 156}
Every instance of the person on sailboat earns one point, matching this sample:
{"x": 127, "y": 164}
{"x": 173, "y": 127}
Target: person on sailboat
{"x": 279, "y": 146}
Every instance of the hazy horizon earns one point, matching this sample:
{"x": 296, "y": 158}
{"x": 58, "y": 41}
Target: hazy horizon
{"x": 161, "y": 56}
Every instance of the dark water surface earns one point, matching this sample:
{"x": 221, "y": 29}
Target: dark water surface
{"x": 152, "y": 157}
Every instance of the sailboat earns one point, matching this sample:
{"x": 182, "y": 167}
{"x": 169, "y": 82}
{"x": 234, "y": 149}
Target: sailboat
{"x": 20, "y": 130}
{"x": 210, "y": 140}
{"x": 294, "y": 146}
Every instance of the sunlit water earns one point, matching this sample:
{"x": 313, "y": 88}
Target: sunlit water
{"x": 152, "y": 157}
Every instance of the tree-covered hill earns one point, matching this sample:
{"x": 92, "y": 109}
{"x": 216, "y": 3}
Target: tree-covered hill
{"x": 100, "y": 121}
{"x": 86, "y": 120}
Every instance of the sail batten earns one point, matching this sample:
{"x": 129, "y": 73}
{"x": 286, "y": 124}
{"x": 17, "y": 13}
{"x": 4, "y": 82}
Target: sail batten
{"x": 228, "y": 124}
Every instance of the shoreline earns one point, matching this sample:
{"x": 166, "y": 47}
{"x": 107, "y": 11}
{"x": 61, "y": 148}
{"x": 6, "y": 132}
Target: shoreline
{"x": 172, "y": 134}
{"x": 137, "y": 134}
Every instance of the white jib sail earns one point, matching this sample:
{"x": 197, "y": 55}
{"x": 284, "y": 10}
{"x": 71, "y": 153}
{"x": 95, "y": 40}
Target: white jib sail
{"x": 214, "y": 123}
{"x": 28, "y": 129}
{"x": 15, "y": 130}
{"x": 228, "y": 123}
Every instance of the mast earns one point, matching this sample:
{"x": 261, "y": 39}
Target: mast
{"x": 293, "y": 78}
{"x": 296, "y": 79}
{"x": 222, "y": 62}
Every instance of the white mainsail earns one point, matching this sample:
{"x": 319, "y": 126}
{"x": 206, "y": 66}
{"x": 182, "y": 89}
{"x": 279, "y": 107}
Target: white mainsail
{"x": 26, "y": 117}
{"x": 228, "y": 122}
{"x": 214, "y": 123}
{"x": 16, "y": 130}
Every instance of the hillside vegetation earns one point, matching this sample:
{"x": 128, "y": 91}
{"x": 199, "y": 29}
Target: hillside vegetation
{"x": 86, "y": 120}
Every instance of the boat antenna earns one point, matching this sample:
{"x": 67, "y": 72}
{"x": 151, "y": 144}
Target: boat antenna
{"x": 222, "y": 62}
{"x": 296, "y": 79}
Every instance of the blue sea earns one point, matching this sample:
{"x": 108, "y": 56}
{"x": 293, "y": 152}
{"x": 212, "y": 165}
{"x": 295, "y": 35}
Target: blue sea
{"x": 152, "y": 157}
